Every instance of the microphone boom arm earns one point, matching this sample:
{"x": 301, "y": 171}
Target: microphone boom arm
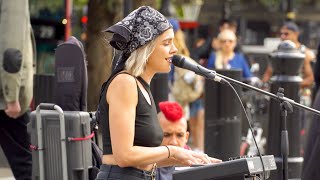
{"x": 210, "y": 74}
{"x": 281, "y": 99}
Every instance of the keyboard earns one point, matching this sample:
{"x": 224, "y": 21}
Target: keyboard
{"x": 235, "y": 168}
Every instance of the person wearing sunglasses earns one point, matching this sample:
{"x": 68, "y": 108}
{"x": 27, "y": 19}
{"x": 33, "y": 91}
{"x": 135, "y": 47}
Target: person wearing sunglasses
{"x": 290, "y": 31}
{"x": 223, "y": 25}
{"x": 226, "y": 57}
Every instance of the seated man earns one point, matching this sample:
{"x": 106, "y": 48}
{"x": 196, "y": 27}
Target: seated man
{"x": 175, "y": 133}
{"x": 174, "y": 127}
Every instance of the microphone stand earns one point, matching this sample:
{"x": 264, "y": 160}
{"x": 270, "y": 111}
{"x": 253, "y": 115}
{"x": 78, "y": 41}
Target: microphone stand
{"x": 285, "y": 107}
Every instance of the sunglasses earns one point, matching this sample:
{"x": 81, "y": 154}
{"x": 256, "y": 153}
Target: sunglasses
{"x": 284, "y": 33}
{"x": 226, "y": 40}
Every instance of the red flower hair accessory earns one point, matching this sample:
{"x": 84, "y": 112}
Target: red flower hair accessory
{"x": 171, "y": 110}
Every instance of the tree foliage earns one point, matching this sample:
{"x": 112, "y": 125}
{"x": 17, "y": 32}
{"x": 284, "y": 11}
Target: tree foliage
{"x": 80, "y": 2}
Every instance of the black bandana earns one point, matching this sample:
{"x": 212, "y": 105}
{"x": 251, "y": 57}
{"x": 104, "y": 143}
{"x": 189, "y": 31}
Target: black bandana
{"x": 139, "y": 27}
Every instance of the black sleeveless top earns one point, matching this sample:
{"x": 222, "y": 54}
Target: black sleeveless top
{"x": 148, "y": 131}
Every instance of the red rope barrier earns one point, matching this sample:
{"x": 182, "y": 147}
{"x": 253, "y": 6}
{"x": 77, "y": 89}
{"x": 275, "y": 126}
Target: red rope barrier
{"x": 81, "y": 138}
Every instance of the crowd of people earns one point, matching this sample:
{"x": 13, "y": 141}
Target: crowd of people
{"x": 138, "y": 141}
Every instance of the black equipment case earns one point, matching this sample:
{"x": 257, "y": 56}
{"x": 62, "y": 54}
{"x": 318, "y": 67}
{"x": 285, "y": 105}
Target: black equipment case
{"x": 61, "y": 143}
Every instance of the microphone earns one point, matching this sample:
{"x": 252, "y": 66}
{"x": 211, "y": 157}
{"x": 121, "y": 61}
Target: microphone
{"x": 181, "y": 62}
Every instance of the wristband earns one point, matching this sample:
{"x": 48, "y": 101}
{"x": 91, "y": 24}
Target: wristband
{"x": 169, "y": 154}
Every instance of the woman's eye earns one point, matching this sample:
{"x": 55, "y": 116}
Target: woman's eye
{"x": 167, "y": 42}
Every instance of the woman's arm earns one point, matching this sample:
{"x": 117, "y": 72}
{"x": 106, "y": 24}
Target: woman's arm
{"x": 308, "y": 77}
{"x": 122, "y": 97}
{"x": 267, "y": 74}
{"x": 175, "y": 162}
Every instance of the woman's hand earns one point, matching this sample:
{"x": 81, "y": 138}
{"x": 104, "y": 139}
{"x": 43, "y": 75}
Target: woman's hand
{"x": 189, "y": 157}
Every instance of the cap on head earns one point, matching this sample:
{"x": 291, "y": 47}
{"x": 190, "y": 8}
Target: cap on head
{"x": 138, "y": 28}
{"x": 175, "y": 24}
{"x": 291, "y": 26}
{"x": 171, "y": 110}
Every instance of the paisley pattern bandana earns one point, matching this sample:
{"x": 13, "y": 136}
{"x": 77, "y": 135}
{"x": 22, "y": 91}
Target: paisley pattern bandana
{"x": 138, "y": 28}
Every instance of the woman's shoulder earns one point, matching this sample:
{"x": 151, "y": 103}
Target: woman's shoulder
{"x": 122, "y": 89}
{"x": 123, "y": 80}
{"x": 212, "y": 56}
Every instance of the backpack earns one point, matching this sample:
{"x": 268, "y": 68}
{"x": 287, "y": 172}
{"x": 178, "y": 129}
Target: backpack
{"x": 96, "y": 161}
{"x": 97, "y": 152}
{"x": 186, "y": 86}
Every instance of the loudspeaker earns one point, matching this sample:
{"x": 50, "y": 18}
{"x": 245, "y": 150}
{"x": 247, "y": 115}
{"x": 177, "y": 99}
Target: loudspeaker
{"x": 160, "y": 88}
{"x": 222, "y": 117}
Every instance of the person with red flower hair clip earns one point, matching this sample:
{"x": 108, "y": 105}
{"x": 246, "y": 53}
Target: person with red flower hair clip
{"x": 174, "y": 127}
{"x": 173, "y": 124}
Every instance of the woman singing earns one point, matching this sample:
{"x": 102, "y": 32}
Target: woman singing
{"x": 127, "y": 112}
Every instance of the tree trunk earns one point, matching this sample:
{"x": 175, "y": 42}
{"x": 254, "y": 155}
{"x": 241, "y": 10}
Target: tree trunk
{"x": 151, "y": 3}
{"x": 101, "y": 14}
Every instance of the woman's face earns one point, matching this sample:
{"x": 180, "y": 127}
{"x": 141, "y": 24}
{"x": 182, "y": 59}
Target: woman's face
{"x": 227, "y": 41}
{"x": 227, "y": 44}
{"x": 287, "y": 34}
{"x": 160, "y": 58}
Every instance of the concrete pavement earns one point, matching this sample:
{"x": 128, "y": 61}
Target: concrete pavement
{"x": 6, "y": 174}
{"x": 5, "y": 171}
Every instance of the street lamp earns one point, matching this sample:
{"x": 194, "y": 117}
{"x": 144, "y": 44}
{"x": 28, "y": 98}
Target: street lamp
{"x": 191, "y": 10}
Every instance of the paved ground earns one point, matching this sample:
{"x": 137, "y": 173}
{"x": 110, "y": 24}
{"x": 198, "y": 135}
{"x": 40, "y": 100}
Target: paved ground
{"x": 5, "y": 174}
{"x": 5, "y": 171}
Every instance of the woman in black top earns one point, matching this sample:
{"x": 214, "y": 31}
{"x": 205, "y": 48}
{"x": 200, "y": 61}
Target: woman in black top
{"x": 131, "y": 132}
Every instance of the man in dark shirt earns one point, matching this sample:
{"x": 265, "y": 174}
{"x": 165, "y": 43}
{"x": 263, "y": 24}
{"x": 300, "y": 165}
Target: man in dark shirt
{"x": 174, "y": 127}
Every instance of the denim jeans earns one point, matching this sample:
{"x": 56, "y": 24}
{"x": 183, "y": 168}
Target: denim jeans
{"x": 111, "y": 172}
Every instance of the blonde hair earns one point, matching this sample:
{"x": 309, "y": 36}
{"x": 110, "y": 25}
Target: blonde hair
{"x": 137, "y": 61}
{"x": 180, "y": 43}
{"x": 218, "y": 63}
{"x": 226, "y": 34}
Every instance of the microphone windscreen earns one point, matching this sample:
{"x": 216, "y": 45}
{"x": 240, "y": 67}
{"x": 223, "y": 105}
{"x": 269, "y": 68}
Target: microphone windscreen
{"x": 178, "y": 60}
